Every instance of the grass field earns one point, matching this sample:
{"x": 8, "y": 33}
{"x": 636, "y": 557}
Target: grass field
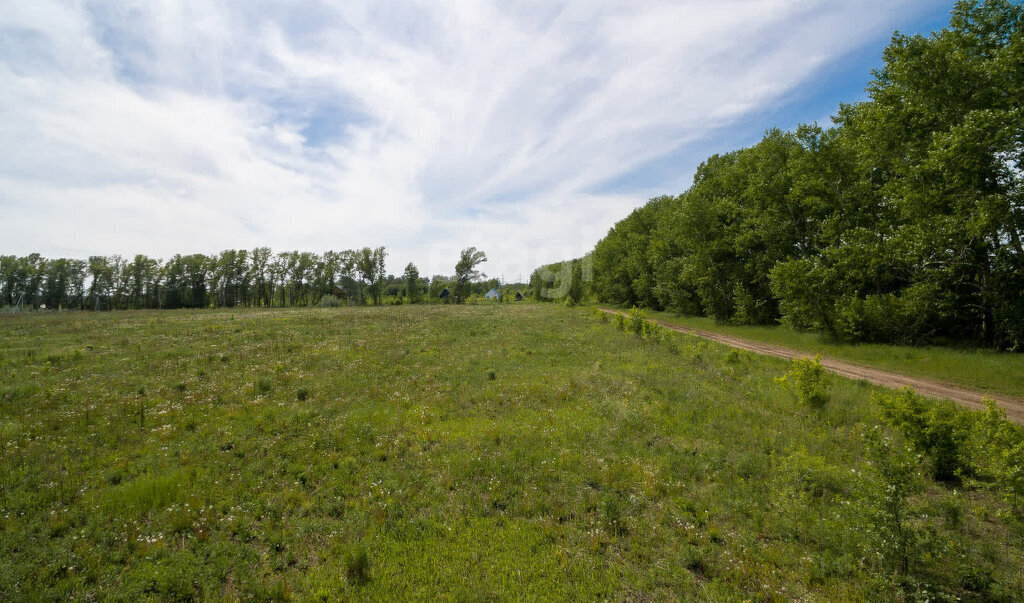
{"x": 474, "y": 452}
{"x": 981, "y": 369}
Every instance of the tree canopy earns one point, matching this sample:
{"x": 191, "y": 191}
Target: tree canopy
{"x": 902, "y": 223}
{"x": 466, "y": 273}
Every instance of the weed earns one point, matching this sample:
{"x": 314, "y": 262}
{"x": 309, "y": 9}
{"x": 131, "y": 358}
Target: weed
{"x": 357, "y": 564}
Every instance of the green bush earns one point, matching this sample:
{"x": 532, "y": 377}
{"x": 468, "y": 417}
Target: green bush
{"x": 806, "y": 378}
{"x": 637, "y": 321}
{"x": 329, "y": 301}
{"x": 896, "y": 538}
{"x": 653, "y": 330}
{"x": 995, "y": 450}
{"x": 813, "y": 477}
{"x": 938, "y": 431}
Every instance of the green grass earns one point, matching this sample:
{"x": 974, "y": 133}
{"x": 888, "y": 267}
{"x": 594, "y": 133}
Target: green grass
{"x": 975, "y": 368}
{"x": 477, "y": 452}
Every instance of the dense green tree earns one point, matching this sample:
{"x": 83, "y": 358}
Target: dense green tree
{"x": 369, "y": 265}
{"x": 230, "y": 278}
{"x": 413, "y": 290}
{"x": 901, "y": 223}
{"x": 466, "y": 272}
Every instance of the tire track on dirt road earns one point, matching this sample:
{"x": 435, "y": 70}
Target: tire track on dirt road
{"x": 926, "y": 387}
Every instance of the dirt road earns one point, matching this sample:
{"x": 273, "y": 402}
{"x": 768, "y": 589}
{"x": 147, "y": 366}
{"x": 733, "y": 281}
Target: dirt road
{"x": 925, "y": 387}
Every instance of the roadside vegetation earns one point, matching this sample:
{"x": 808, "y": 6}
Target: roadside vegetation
{"x": 512, "y": 451}
{"x": 974, "y": 368}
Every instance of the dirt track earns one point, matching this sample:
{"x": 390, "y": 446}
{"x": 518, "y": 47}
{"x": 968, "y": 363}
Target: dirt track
{"x": 925, "y": 387}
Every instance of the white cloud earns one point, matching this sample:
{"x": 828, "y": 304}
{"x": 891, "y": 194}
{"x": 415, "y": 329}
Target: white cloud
{"x": 164, "y": 127}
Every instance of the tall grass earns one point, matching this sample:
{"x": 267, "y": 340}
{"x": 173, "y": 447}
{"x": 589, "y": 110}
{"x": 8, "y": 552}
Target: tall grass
{"x": 506, "y": 451}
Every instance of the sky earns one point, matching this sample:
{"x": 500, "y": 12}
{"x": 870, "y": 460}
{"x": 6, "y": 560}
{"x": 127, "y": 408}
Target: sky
{"x": 526, "y": 129}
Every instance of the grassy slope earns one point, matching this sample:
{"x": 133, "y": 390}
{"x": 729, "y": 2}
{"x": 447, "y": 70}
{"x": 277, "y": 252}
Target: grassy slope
{"x": 984, "y": 370}
{"x": 594, "y": 465}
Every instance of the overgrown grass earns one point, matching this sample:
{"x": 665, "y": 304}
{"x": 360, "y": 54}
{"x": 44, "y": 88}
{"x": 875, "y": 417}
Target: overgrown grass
{"x": 412, "y": 452}
{"x": 981, "y": 369}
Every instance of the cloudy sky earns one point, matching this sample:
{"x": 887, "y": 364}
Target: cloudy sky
{"x": 523, "y": 128}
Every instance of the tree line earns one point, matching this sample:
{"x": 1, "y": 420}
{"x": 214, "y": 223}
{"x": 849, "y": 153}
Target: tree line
{"x": 241, "y": 277}
{"x": 234, "y": 277}
{"x": 901, "y": 223}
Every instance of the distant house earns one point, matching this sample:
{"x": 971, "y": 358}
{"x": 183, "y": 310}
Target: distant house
{"x": 445, "y": 293}
{"x": 492, "y": 294}
{"x": 519, "y": 296}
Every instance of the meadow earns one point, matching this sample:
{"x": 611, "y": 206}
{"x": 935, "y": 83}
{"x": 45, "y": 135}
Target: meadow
{"x": 478, "y": 452}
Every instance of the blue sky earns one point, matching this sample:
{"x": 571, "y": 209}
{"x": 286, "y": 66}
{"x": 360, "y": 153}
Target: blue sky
{"x": 523, "y": 128}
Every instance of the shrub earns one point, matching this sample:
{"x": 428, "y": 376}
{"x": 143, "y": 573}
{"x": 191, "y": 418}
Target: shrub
{"x": 896, "y": 538}
{"x": 812, "y": 476}
{"x": 620, "y": 322}
{"x": 806, "y": 378}
{"x": 329, "y": 301}
{"x": 262, "y": 386}
{"x": 936, "y": 430}
{"x": 637, "y": 320}
{"x": 651, "y": 330}
{"x": 996, "y": 452}
{"x": 302, "y": 393}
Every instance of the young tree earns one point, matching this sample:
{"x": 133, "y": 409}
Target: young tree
{"x": 412, "y": 283}
{"x": 466, "y": 273}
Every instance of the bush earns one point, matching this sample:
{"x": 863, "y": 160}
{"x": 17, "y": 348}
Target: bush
{"x": 995, "y": 450}
{"x": 651, "y": 330}
{"x": 620, "y": 322}
{"x": 897, "y": 540}
{"x": 806, "y": 378}
{"x": 329, "y": 301}
{"x": 301, "y": 394}
{"x": 637, "y": 321}
{"x": 938, "y": 431}
{"x": 813, "y": 477}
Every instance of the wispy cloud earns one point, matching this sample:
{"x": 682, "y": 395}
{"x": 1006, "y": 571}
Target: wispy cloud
{"x": 161, "y": 127}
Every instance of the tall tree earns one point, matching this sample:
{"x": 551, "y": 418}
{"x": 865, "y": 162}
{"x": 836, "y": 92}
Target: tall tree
{"x": 466, "y": 273}
{"x": 412, "y": 284}
{"x": 369, "y": 264}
